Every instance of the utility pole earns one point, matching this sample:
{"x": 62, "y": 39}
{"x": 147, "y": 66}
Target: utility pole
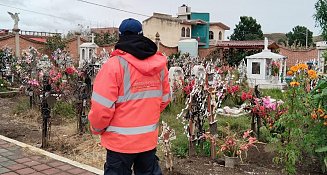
{"x": 306, "y": 39}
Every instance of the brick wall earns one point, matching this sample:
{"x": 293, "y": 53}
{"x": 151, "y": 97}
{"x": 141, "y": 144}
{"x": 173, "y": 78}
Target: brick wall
{"x": 72, "y": 47}
{"x": 108, "y": 47}
{"x": 298, "y": 55}
{"x": 24, "y": 44}
{"x": 203, "y": 52}
{"x": 167, "y": 50}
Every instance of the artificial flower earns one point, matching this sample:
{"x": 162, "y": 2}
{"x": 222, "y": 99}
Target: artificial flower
{"x": 294, "y": 84}
{"x": 294, "y": 68}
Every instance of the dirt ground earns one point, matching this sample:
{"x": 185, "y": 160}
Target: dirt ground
{"x": 86, "y": 149}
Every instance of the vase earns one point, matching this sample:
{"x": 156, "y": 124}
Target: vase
{"x": 230, "y": 162}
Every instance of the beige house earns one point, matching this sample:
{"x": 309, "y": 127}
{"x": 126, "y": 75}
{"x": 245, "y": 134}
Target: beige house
{"x": 170, "y": 29}
{"x": 173, "y": 29}
{"x": 217, "y": 32}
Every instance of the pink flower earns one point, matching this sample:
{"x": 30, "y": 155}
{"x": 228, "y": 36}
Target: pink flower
{"x": 246, "y": 134}
{"x": 244, "y": 147}
{"x": 252, "y": 140}
{"x": 223, "y": 148}
{"x": 230, "y": 141}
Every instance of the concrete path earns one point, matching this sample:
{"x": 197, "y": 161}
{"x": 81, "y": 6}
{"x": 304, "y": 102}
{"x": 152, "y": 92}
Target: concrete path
{"x": 20, "y": 158}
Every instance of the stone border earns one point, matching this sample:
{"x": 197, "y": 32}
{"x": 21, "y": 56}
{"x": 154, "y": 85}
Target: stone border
{"x": 7, "y": 94}
{"x": 53, "y": 156}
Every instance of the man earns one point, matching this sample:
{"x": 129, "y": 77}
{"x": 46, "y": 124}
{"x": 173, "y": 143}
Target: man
{"x": 129, "y": 92}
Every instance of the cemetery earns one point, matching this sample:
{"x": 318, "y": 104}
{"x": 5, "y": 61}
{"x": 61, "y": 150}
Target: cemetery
{"x": 260, "y": 116}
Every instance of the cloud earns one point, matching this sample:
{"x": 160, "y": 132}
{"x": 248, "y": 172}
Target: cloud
{"x": 73, "y": 17}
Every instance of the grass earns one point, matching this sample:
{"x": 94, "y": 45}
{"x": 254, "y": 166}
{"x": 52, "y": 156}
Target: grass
{"x": 180, "y": 145}
{"x": 273, "y": 93}
{"x": 237, "y": 124}
{"x": 22, "y": 105}
{"x": 64, "y": 109}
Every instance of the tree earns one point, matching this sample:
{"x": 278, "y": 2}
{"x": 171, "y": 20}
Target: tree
{"x": 299, "y": 36}
{"x": 55, "y": 42}
{"x": 321, "y": 16}
{"x": 247, "y": 29}
{"x": 106, "y": 38}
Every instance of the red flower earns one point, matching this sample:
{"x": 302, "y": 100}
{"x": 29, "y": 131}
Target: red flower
{"x": 243, "y": 96}
{"x": 188, "y": 89}
{"x": 70, "y": 70}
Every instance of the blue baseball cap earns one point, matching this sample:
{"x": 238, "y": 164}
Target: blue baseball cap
{"x": 130, "y": 26}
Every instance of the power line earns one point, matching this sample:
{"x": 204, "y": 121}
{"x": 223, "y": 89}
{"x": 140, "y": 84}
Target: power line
{"x": 31, "y": 11}
{"x": 40, "y": 13}
{"x": 96, "y": 4}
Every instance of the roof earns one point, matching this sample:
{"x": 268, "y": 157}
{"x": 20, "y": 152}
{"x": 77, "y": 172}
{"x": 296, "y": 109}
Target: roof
{"x": 193, "y": 22}
{"x": 255, "y": 44}
{"x": 43, "y": 40}
{"x": 22, "y": 37}
{"x": 93, "y": 45}
{"x": 171, "y": 18}
{"x": 220, "y": 24}
{"x": 266, "y": 54}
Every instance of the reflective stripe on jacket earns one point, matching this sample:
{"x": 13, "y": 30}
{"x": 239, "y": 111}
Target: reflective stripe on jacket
{"x": 128, "y": 96}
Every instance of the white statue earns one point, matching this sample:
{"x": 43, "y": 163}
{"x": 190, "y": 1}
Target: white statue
{"x": 15, "y": 18}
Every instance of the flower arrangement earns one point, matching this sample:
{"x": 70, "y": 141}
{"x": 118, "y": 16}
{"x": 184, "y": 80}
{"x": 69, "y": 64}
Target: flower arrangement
{"x": 233, "y": 146}
{"x": 275, "y": 68}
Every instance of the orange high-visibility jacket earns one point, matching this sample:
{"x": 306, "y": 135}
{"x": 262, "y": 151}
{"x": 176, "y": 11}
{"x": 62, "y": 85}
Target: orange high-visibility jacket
{"x": 128, "y": 96}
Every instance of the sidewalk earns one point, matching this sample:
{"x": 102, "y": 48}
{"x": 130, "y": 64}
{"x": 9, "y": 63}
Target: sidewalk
{"x": 19, "y": 158}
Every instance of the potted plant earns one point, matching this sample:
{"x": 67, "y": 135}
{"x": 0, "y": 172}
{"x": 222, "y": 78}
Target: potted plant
{"x": 233, "y": 146}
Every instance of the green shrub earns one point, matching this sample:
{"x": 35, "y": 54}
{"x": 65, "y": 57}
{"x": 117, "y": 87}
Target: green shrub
{"x": 64, "y": 109}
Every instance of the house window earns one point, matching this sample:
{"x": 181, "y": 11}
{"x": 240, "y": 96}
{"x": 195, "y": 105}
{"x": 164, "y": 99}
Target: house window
{"x": 183, "y": 32}
{"x": 210, "y": 34}
{"x": 220, "y": 36}
{"x": 255, "y": 68}
{"x": 188, "y": 31}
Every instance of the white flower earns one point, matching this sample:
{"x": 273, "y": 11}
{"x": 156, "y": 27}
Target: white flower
{"x": 1, "y": 84}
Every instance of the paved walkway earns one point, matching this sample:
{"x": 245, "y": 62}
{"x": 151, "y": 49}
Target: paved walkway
{"x": 15, "y": 160}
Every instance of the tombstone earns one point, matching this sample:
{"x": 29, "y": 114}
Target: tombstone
{"x": 87, "y": 53}
{"x": 199, "y": 72}
{"x": 175, "y": 76}
{"x": 260, "y": 69}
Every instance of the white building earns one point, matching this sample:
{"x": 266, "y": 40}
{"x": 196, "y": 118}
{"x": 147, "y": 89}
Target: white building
{"x": 321, "y": 47}
{"x": 259, "y": 69}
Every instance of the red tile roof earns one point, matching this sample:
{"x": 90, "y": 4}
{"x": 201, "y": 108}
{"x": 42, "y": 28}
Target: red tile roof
{"x": 256, "y": 44}
{"x": 43, "y": 40}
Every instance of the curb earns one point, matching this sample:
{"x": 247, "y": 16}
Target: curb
{"x": 53, "y": 156}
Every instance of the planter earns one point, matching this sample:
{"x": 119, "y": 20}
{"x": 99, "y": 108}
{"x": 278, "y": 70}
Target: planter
{"x": 230, "y": 162}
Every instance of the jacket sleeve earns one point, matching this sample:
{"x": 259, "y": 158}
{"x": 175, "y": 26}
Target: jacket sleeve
{"x": 165, "y": 90}
{"x": 104, "y": 95}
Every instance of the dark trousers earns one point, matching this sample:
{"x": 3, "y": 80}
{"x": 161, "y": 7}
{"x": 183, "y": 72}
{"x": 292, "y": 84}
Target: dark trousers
{"x": 145, "y": 163}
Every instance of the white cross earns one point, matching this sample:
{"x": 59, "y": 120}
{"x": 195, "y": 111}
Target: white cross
{"x": 92, "y": 37}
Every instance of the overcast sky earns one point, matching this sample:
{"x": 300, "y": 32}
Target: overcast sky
{"x": 275, "y": 16}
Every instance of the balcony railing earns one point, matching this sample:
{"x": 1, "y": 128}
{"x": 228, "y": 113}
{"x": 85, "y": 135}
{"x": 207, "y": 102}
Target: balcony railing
{"x": 201, "y": 39}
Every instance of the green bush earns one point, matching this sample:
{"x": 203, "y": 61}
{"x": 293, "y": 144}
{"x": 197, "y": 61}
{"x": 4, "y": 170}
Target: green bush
{"x": 64, "y": 109}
